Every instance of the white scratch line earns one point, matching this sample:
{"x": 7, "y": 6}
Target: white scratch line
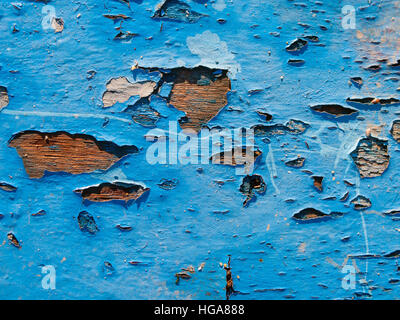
{"x": 62, "y": 114}
{"x": 272, "y": 168}
{"x": 364, "y": 227}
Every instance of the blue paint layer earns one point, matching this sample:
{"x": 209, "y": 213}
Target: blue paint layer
{"x": 273, "y": 256}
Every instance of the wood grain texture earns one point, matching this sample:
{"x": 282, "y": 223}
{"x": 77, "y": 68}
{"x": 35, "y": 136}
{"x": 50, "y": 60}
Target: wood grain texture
{"x": 112, "y": 191}
{"x": 64, "y": 152}
{"x": 371, "y": 157}
{"x": 199, "y": 94}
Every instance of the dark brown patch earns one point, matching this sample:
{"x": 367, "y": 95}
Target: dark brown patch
{"x": 264, "y": 115}
{"x": 229, "y": 290}
{"x": 116, "y": 16}
{"x": 297, "y": 46}
{"x": 309, "y": 214}
{"x": 127, "y": 35}
{"x": 250, "y": 185}
{"x": 124, "y": 228}
{"x": 357, "y": 81}
{"x": 334, "y": 109}
{"x": 361, "y": 203}
{"x": 7, "y": 187}
{"x": 373, "y": 67}
{"x": 39, "y": 213}
{"x": 296, "y": 62}
{"x": 13, "y": 240}
{"x": 371, "y": 101}
{"x": 345, "y": 196}
{"x": 318, "y": 182}
{"x": 296, "y": 163}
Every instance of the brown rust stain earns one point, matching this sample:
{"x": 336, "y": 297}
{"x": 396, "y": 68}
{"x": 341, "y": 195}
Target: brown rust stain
{"x": 112, "y": 191}
{"x": 64, "y": 152}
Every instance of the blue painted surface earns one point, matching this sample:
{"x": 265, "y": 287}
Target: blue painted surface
{"x": 269, "y": 249}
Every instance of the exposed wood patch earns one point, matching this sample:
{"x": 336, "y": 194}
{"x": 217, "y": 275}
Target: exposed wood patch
{"x": 7, "y": 187}
{"x": 297, "y": 46}
{"x": 335, "y": 110}
{"x": 291, "y": 127}
{"x": 357, "y": 81}
{"x": 64, "y": 152}
{"x": 250, "y": 185}
{"x": 312, "y": 38}
{"x": 393, "y": 254}
{"x": 57, "y": 24}
{"x": 4, "y": 100}
{"x": 318, "y": 182}
{"x": 345, "y": 196}
{"x": 311, "y": 214}
{"x": 200, "y": 92}
{"x": 296, "y": 163}
{"x": 13, "y": 240}
{"x": 372, "y": 102}
{"x": 120, "y": 90}
{"x": 39, "y": 213}
{"x": 371, "y": 157}
{"x": 373, "y": 67}
{"x": 392, "y": 213}
{"x": 296, "y": 62}
{"x": 264, "y": 115}
{"x": 123, "y": 228}
{"x": 361, "y": 203}
{"x": 236, "y": 157}
{"x": 125, "y": 35}
{"x": 229, "y": 290}
{"x": 112, "y": 191}
{"x": 395, "y": 130}
{"x": 116, "y": 16}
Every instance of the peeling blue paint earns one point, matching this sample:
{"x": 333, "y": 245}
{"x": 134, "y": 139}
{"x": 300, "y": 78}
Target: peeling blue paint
{"x": 202, "y": 219}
